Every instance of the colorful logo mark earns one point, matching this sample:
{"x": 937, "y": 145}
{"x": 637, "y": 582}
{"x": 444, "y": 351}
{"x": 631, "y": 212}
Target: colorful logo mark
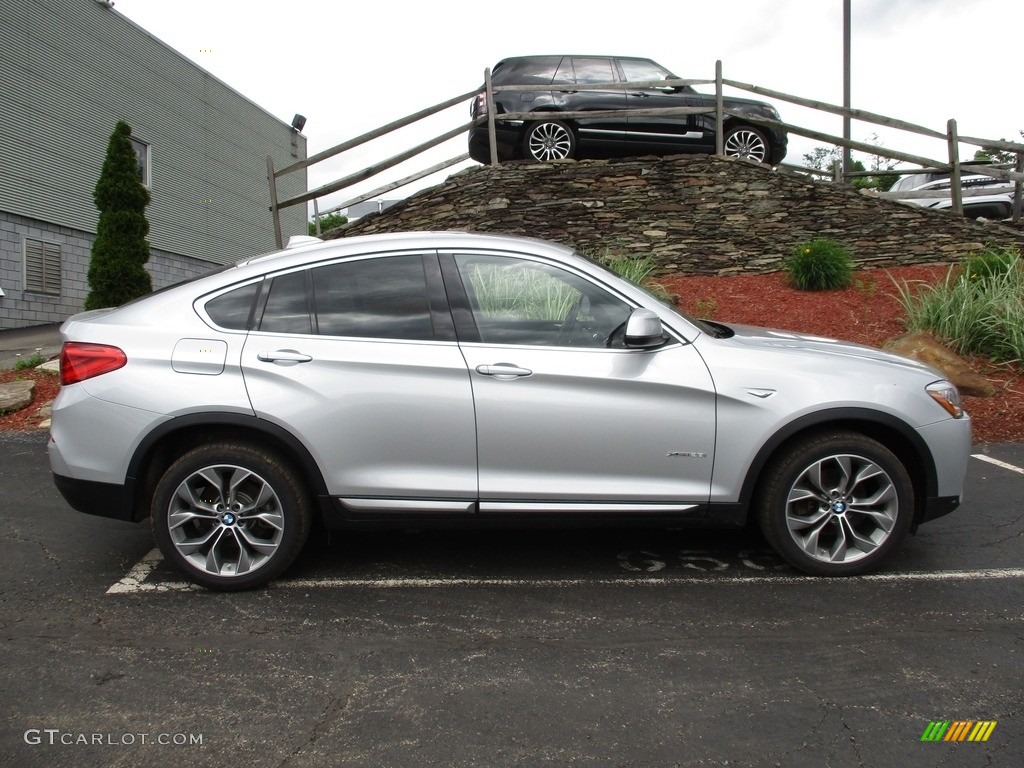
{"x": 958, "y": 730}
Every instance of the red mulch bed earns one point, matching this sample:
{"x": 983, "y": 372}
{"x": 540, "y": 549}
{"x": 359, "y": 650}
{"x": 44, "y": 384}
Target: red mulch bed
{"x": 47, "y": 386}
{"x": 868, "y": 313}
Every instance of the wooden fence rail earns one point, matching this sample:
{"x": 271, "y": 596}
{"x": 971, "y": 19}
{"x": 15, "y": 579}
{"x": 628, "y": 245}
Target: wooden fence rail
{"x": 951, "y": 165}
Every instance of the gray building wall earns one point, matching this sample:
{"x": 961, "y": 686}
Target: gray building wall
{"x": 20, "y": 308}
{"x": 69, "y": 70}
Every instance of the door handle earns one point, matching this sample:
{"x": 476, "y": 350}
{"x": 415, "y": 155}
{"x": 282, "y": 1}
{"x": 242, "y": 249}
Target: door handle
{"x": 503, "y": 371}
{"x": 283, "y": 357}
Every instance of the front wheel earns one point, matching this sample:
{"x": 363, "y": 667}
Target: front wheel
{"x": 836, "y": 505}
{"x": 547, "y": 140}
{"x": 230, "y": 516}
{"x": 747, "y": 142}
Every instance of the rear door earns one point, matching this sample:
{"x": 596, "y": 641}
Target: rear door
{"x": 358, "y": 359}
{"x": 599, "y": 135}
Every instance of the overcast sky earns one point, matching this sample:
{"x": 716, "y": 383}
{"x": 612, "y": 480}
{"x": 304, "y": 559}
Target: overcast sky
{"x": 355, "y": 66}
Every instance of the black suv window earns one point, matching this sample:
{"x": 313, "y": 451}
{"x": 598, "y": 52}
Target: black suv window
{"x": 535, "y": 70}
{"x": 593, "y": 70}
{"x": 641, "y": 70}
{"x": 384, "y": 298}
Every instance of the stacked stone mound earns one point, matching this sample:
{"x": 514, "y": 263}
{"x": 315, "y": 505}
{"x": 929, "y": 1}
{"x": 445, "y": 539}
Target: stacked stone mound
{"x": 692, "y": 213}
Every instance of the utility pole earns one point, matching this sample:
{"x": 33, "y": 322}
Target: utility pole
{"x": 846, "y": 85}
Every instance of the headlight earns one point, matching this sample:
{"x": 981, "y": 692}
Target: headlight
{"x": 947, "y": 395}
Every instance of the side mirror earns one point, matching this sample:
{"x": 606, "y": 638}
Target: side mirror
{"x": 644, "y": 330}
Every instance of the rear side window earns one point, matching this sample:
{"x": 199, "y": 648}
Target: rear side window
{"x": 233, "y": 309}
{"x": 384, "y": 298}
{"x": 287, "y": 309}
{"x": 593, "y": 70}
{"x": 535, "y": 70}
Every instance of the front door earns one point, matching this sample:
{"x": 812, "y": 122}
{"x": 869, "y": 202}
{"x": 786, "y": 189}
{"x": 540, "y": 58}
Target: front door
{"x": 567, "y": 418}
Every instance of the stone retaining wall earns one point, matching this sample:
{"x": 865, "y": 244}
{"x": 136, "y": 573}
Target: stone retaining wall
{"x": 697, "y": 214}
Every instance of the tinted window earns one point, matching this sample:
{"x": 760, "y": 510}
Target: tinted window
{"x": 639, "y": 70}
{"x": 536, "y": 70}
{"x": 377, "y": 298}
{"x": 233, "y": 309}
{"x": 287, "y": 309}
{"x": 593, "y": 70}
{"x": 515, "y": 301}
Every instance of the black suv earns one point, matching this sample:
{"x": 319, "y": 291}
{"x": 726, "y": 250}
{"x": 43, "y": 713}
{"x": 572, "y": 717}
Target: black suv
{"x": 554, "y": 138}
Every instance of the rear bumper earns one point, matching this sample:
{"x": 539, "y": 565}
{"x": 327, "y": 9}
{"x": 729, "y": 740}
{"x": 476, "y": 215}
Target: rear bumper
{"x": 100, "y": 499}
{"x": 479, "y": 147}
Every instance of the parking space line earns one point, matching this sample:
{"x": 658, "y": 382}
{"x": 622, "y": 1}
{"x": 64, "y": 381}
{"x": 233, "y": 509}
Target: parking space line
{"x": 135, "y": 580}
{"x": 998, "y": 463}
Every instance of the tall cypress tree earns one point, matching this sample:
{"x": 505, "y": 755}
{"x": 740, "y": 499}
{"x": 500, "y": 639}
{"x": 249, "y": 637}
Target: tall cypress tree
{"x": 116, "y": 271}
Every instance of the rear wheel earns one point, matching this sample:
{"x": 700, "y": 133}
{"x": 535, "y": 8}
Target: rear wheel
{"x": 230, "y": 516}
{"x": 547, "y": 140}
{"x": 747, "y": 142}
{"x": 836, "y": 504}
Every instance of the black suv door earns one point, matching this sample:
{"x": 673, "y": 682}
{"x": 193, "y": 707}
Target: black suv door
{"x": 600, "y": 135}
{"x": 662, "y": 133}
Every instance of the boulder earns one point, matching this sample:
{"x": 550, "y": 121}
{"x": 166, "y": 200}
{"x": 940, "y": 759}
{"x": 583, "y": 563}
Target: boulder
{"x": 927, "y": 349}
{"x": 15, "y": 395}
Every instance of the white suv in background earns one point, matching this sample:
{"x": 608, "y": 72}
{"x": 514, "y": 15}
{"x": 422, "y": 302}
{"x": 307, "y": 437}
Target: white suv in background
{"x": 997, "y": 203}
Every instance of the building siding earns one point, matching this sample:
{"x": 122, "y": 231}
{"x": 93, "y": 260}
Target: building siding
{"x": 73, "y": 68}
{"x": 69, "y": 70}
{"x": 21, "y": 308}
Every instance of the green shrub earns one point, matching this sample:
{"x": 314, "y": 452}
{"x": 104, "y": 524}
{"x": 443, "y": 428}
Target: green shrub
{"x": 29, "y": 362}
{"x": 978, "y": 309}
{"x": 991, "y": 263}
{"x": 820, "y": 265}
{"x": 117, "y": 272}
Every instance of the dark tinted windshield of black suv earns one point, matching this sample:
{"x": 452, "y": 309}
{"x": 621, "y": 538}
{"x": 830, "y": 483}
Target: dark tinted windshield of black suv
{"x": 533, "y": 70}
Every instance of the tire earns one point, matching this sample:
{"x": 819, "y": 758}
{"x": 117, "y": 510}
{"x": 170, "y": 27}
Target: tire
{"x": 547, "y": 140}
{"x": 230, "y": 516}
{"x": 748, "y": 142}
{"x": 835, "y": 504}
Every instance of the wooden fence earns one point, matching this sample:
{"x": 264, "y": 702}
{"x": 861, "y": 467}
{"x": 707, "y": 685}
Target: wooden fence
{"x": 951, "y": 165}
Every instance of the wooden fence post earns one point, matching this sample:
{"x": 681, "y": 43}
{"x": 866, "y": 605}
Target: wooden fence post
{"x": 274, "y": 210}
{"x": 1017, "y": 188}
{"x": 837, "y": 172}
{"x": 491, "y": 136}
{"x": 954, "y": 168}
{"x": 719, "y": 111}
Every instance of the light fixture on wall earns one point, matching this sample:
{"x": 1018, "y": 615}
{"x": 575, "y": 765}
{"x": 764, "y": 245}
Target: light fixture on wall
{"x": 298, "y": 122}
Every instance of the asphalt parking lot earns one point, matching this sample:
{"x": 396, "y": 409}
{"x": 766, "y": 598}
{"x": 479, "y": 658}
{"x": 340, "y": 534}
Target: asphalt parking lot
{"x": 598, "y": 648}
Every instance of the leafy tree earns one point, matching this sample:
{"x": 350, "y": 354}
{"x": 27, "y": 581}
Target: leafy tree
{"x": 116, "y": 271}
{"x": 823, "y": 158}
{"x": 992, "y": 155}
{"x": 328, "y": 222}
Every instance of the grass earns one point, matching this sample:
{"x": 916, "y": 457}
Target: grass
{"x": 978, "y": 309}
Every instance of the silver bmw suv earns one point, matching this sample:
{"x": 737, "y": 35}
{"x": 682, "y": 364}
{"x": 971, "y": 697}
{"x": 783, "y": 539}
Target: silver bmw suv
{"x": 439, "y": 378}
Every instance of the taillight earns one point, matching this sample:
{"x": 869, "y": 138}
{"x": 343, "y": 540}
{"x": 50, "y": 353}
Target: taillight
{"x": 479, "y": 106}
{"x": 79, "y": 361}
